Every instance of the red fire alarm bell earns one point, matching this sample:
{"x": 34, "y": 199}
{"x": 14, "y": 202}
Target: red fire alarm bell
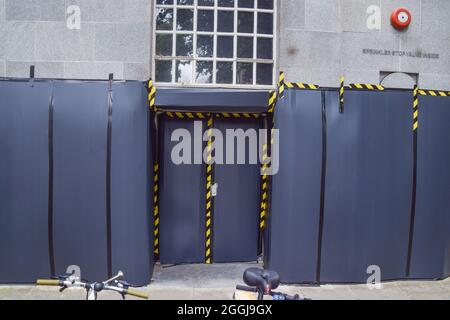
{"x": 401, "y": 18}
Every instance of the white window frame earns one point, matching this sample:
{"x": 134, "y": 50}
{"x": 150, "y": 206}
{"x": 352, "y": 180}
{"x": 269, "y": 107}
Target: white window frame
{"x": 215, "y": 34}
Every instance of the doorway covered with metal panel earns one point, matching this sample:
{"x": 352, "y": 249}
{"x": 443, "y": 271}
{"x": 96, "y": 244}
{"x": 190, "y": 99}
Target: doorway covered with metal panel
{"x": 207, "y": 212}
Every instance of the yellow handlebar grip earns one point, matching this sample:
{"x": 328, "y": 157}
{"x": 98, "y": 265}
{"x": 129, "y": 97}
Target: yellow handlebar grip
{"x": 47, "y": 282}
{"x": 137, "y": 294}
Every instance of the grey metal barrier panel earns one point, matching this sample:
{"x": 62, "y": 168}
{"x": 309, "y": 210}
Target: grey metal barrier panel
{"x": 295, "y": 211}
{"x": 24, "y": 116}
{"x": 368, "y": 185}
{"x": 236, "y": 206}
{"x": 132, "y": 161}
{"x": 182, "y": 200}
{"x": 80, "y": 153}
{"x": 431, "y": 244}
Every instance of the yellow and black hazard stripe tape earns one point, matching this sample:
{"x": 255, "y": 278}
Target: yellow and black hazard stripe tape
{"x": 362, "y": 86}
{"x": 341, "y": 95}
{"x": 301, "y": 85}
{"x": 209, "y": 197}
{"x": 272, "y": 101}
{"x": 244, "y": 115}
{"x": 434, "y": 93}
{"x": 281, "y": 85}
{"x": 202, "y": 116}
{"x": 264, "y": 195}
{"x": 186, "y": 115}
{"x": 151, "y": 95}
{"x": 156, "y": 211}
{"x": 415, "y": 109}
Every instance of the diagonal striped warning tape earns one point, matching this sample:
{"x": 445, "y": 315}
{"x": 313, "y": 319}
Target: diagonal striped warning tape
{"x": 281, "y": 85}
{"x": 202, "y": 116}
{"x": 302, "y": 86}
{"x": 244, "y": 115}
{"x": 156, "y": 211}
{"x": 434, "y": 93}
{"x": 151, "y": 95}
{"x": 209, "y": 198}
{"x": 361, "y": 86}
{"x": 264, "y": 195}
{"x": 415, "y": 109}
{"x": 186, "y": 115}
{"x": 272, "y": 101}
{"x": 341, "y": 95}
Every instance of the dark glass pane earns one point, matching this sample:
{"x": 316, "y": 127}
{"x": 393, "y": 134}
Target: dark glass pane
{"x": 226, "y": 3}
{"x": 163, "y": 71}
{"x": 205, "y": 46}
{"x": 206, "y": 3}
{"x": 164, "y": 1}
{"x": 224, "y": 47}
{"x": 164, "y": 19}
{"x": 183, "y": 71}
{"x": 185, "y": 46}
{"x": 204, "y": 72}
{"x": 245, "y": 47}
{"x": 164, "y": 44}
{"x": 264, "y": 73}
{"x": 246, "y": 3}
{"x": 245, "y": 22}
{"x": 224, "y": 72}
{"x": 205, "y": 20}
{"x": 186, "y": 2}
{"x": 265, "y": 4}
{"x": 225, "y": 21}
{"x": 185, "y": 19}
{"x": 265, "y": 48}
{"x": 244, "y": 73}
{"x": 265, "y": 23}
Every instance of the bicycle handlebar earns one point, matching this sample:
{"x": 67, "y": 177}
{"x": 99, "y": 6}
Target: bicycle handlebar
{"x": 136, "y": 294}
{"x": 48, "y": 282}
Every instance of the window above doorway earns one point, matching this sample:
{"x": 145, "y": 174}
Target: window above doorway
{"x": 229, "y": 43}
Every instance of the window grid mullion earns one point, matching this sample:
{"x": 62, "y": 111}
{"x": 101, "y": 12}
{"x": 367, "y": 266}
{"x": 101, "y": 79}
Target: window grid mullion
{"x": 194, "y": 41}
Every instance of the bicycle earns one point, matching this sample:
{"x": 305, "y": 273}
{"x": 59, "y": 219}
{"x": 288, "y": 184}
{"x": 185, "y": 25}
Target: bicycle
{"x": 260, "y": 283}
{"x": 116, "y": 283}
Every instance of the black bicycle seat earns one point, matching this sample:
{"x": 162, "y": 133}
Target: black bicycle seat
{"x": 264, "y": 280}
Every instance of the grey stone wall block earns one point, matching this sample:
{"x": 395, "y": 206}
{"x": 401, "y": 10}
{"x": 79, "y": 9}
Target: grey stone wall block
{"x": 138, "y": 11}
{"x": 354, "y": 15}
{"x": 136, "y": 71}
{"x": 318, "y": 50}
{"x": 388, "y": 6}
{"x": 426, "y": 47}
{"x": 323, "y": 15}
{"x": 434, "y": 81}
{"x": 354, "y": 44}
{"x": 2, "y": 11}
{"x": 323, "y": 77}
{"x": 292, "y": 14}
{"x": 93, "y": 70}
{"x": 52, "y": 10}
{"x": 362, "y": 76}
{"x": 122, "y": 42}
{"x": 2, "y": 69}
{"x": 100, "y": 10}
{"x": 21, "y": 69}
{"x": 22, "y": 10}
{"x": 55, "y": 42}
{"x": 435, "y": 18}
{"x": 17, "y": 40}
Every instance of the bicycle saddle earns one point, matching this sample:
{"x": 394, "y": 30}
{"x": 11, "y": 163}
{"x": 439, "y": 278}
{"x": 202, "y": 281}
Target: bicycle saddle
{"x": 265, "y": 280}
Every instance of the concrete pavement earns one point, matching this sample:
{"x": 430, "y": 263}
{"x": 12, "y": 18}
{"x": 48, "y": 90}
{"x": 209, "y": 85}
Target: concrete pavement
{"x": 217, "y": 282}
